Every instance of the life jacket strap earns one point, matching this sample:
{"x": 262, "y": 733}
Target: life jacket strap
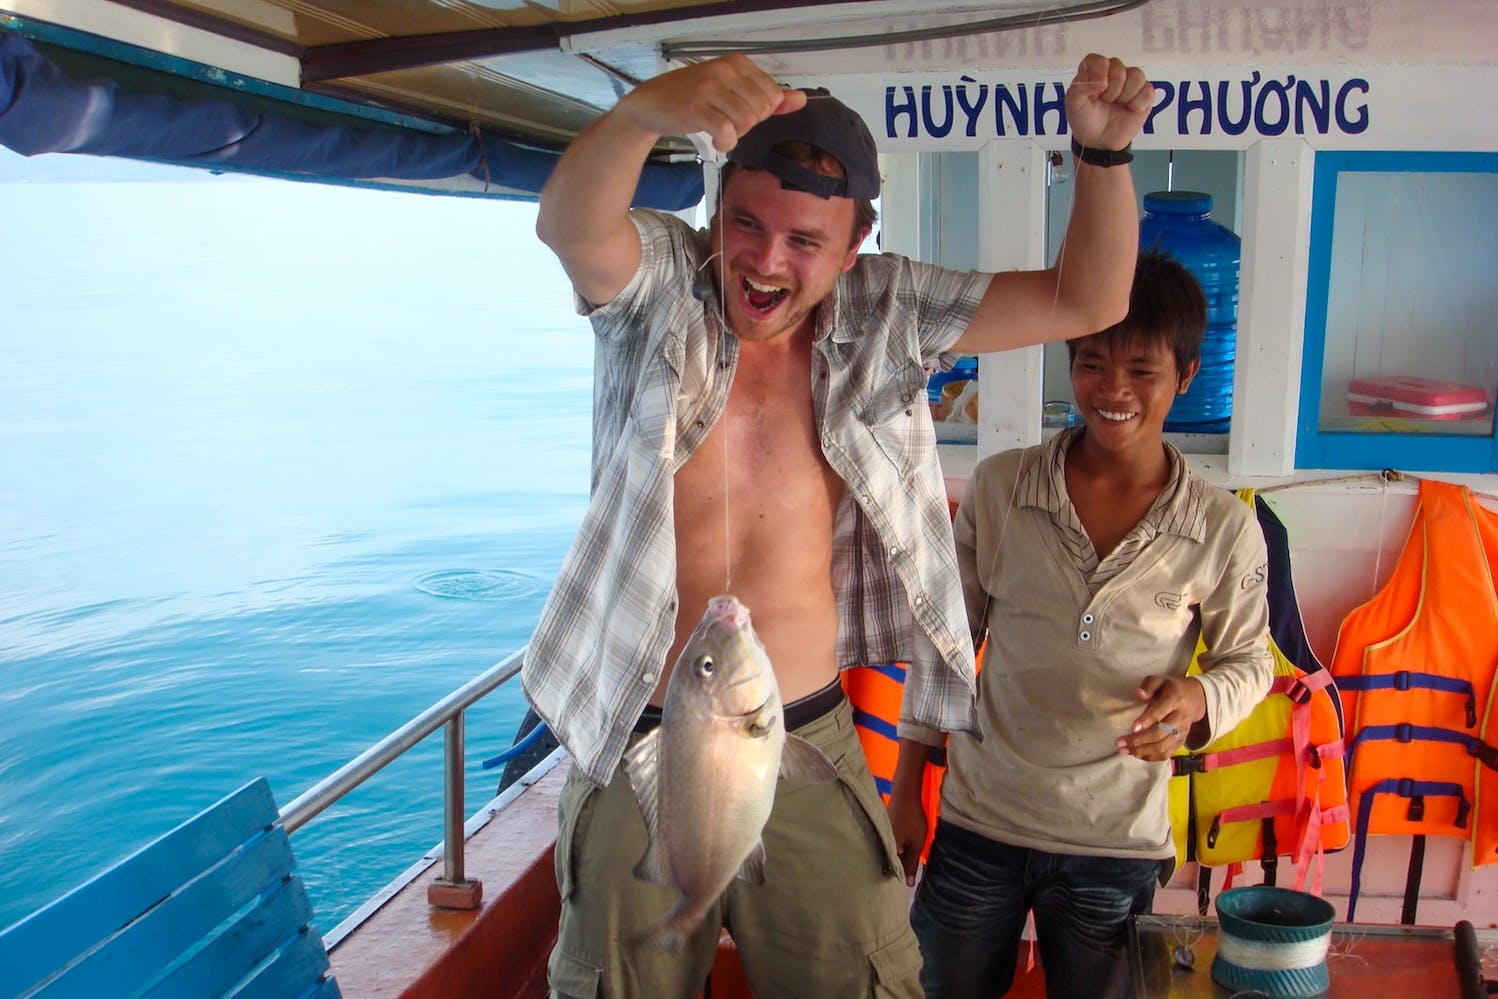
{"x": 1196, "y": 763}
{"x": 874, "y": 723}
{"x": 1404, "y": 733}
{"x": 1410, "y": 680}
{"x": 1414, "y": 790}
{"x": 1300, "y": 688}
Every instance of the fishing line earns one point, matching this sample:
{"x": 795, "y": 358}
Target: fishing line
{"x": 1020, "y": 472}
{"x": 708, "y": 153}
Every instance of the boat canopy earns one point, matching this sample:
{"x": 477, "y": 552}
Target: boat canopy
{"x": 45, "y": 109}
{"x": 452, "y": 96}
{"x": 479, "y": 96}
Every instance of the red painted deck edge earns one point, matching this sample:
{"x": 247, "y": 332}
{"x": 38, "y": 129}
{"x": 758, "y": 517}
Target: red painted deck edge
{"x": 412, "y": 949}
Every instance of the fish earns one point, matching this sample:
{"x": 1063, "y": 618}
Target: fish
{"x": 705, "y": 777}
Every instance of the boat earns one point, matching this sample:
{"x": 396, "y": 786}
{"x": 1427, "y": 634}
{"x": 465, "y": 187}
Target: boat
{"x": 1349, "y": 144}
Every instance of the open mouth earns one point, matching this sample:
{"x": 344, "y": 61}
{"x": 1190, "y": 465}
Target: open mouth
{"x": 760, "y": 297}
{"x": 1113, "y": 416}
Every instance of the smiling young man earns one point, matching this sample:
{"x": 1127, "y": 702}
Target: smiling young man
{"x": 760, "y": 429}
{"x": 1092, "y": 563}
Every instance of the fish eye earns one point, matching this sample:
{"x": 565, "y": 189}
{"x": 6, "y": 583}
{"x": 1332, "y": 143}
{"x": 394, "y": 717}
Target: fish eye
{"x": 705, "y": 666}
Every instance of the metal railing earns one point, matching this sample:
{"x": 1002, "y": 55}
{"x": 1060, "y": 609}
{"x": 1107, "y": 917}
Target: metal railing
{"x": 446, "y": 713}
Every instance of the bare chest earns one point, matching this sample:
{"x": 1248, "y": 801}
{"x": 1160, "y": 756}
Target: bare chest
{"x": 763, "y": 456}
{"x": 1107, "y": 514}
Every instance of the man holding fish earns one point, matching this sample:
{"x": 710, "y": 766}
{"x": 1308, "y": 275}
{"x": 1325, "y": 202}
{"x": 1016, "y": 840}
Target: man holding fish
{"x": 762, "y": 446}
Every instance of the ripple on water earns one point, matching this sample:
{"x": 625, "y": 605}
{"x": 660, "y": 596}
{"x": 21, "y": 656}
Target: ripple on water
{"x": 479, "y": 584}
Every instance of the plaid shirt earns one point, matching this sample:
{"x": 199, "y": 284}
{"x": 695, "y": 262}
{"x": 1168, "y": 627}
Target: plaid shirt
{"x": 664, "y": 364}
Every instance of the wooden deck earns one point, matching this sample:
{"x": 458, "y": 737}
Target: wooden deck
{"x": 413, "y": 950}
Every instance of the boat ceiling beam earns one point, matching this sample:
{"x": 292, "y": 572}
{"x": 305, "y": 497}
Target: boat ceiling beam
{"x": 203, "y": 21}
{"x": 341, "y": 60}
{"x": 1078, "y": 11}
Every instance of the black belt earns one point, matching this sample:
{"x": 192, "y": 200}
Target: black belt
{"x": 797, "y": 713}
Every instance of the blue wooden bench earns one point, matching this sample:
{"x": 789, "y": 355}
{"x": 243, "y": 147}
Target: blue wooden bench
{"x": 212, "y": 908}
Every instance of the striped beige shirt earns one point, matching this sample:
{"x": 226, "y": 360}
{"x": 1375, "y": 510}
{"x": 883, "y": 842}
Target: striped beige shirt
{"x": 1173, "y": 511}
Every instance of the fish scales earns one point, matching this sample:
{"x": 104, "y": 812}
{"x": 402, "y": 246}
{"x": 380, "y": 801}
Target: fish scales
{"x": 705, "y": 778}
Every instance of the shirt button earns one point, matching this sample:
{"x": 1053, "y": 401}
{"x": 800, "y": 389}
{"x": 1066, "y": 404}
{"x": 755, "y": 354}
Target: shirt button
{"x": 827, "y": 441}
{"x": 1087, "y": 618}
{"x": 919, "y": 600}
{"x": 647, "y": 677}
{"x": 1085, "y": 636}
{"x": 894, "y": 550}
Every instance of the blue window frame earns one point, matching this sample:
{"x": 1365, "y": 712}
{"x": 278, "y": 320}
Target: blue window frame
{"x": 1400, "y": 366}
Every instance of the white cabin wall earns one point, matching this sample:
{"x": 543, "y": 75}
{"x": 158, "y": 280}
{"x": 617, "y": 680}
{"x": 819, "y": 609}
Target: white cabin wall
{"x": 1011, "y": 236}
{"x": 1346, "y": 529}
{"x": 1276, "y": 236}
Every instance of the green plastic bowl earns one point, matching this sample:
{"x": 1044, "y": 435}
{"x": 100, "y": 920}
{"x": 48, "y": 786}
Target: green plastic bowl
{"x": 1261, "y": 920}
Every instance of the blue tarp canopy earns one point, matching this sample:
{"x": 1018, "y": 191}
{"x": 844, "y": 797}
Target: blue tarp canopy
{"x": 43, "y": 109}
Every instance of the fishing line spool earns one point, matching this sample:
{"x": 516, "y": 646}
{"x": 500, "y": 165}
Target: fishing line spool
{"x": 1273, "y": 941}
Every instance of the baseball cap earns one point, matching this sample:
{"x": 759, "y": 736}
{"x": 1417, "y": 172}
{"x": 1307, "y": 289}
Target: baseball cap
{"x": 829, "y": 125}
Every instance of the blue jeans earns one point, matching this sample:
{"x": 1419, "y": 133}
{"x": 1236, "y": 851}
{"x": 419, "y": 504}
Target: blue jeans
{"x": 969, "y": 913}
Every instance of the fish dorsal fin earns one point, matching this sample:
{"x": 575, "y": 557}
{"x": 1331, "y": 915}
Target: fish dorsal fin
{"x": 641, "y": 763}
{"x": 800, "y": 760}
{"x": 753, "y": 867}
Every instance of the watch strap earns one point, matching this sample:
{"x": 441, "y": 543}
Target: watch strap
{"x": 1102, "y": 157}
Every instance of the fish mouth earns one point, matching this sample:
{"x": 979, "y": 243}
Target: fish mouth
{"x": 728, "y": 610}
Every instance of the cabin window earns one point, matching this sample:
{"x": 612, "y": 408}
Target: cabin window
{"x": 1214, "y": 172}
{"x": 1401, "y": 336}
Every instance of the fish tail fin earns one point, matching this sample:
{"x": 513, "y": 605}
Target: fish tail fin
{"x": 668, "y": 940}
{"x": 671, "y": 936}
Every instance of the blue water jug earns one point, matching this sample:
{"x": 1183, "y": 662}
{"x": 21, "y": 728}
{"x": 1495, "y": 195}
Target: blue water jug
{"x": 1180, "y": 223}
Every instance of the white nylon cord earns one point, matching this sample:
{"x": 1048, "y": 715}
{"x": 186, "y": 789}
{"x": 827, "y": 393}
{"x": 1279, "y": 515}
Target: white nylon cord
{"x": 1258, "y": 955}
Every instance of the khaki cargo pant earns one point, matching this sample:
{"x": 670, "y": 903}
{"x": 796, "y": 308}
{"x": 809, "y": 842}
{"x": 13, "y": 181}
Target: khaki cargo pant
{"x": 831, "y": 920}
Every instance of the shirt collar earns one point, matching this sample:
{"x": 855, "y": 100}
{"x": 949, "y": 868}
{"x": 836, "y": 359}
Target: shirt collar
{"x": 1176, "y": 511}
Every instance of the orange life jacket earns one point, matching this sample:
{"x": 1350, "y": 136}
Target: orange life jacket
{"x": 1273, "y": 784}
{"x": 1415, "y": 669}
{"x": 874, "y": 692}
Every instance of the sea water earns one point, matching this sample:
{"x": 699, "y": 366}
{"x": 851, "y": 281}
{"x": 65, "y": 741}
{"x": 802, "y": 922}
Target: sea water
{"x": 281, "y": 465}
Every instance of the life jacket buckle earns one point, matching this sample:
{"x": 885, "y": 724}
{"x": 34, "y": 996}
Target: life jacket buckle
{"x": 1462, "y": 808}
{"x": 1416, "y": 811}
{"x": 1486, "y": 755}
{"x": 1212, "y": 833}
{"x": 1189, "y": 764}
{"x": 1402, "y": 679}
{"x": 1313, "y": 757}
{"x": 1299, "y": 692}
{"x": 1404, "y": 732}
